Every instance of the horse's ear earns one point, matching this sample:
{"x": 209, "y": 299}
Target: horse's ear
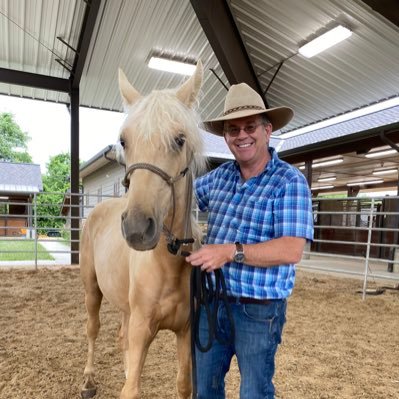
{"x": 129, "y": 94}
{"x": 188, "y": 92}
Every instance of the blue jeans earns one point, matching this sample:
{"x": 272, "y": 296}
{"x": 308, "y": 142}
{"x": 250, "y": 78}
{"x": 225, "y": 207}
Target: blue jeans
{"x": 258, "y": 330}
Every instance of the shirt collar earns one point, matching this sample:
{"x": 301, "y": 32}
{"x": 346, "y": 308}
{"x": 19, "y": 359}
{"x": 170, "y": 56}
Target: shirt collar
{"x": 274, "y": 159}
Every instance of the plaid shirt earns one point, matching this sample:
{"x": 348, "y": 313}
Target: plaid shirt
{"x": 274, "y": 204}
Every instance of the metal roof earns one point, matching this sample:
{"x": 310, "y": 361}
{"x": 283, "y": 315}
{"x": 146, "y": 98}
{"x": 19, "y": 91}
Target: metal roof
{"x": 237, "y": 40}
{"x": 20, "y": 178}
{"x": 366, "y": 122}
{"x": 355, "y": 73}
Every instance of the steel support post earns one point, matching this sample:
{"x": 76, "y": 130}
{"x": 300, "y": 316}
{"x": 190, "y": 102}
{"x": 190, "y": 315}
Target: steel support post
{"x": 75, "y": 217}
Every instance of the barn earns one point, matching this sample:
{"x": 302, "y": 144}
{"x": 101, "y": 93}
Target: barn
{"x": 19, "y": 182}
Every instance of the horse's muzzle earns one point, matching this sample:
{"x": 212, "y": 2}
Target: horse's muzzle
{"x": 141, "y": 232}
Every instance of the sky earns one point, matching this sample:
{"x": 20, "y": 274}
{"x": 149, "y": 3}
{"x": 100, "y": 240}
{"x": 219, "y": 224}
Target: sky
{"x": 48, "y": 125}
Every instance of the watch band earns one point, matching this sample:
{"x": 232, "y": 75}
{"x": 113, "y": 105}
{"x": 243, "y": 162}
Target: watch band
{"x": 239, "y": 247}
{"x": 239, "y": 255}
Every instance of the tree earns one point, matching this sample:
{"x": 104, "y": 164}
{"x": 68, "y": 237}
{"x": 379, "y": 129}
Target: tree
{"x": 56, "y": 183}
{"x": 13, "y": 141}
{"x": 58, "y": 173}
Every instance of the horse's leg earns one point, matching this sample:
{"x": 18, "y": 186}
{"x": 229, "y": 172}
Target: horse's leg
{"x": 183, "y": 381}
{"x": 123, "y": 340}
{"x": 141, "y": 334}
{"x": 93, "y": 299}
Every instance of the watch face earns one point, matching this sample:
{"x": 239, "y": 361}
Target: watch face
{"x": 239, "y": 257}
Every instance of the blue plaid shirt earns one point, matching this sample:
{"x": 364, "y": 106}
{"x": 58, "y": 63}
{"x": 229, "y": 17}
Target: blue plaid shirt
{"x": 274, "y": 204}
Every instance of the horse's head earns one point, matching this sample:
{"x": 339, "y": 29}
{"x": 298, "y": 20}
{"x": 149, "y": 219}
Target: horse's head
{"x": 158, "y": 141}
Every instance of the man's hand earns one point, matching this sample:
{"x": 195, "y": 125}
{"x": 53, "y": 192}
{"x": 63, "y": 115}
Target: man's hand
{"x": 211, "y": 257}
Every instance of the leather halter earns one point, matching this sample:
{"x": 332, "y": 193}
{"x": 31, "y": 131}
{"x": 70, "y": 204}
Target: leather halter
{"x": 171, "y": 239}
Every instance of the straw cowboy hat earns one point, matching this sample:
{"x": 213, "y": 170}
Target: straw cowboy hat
{"x": 242, "y": 101}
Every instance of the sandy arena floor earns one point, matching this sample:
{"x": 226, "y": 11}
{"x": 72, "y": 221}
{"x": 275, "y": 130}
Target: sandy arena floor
{"x": 335, "y": 346}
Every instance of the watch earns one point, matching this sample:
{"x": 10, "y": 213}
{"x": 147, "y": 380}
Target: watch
{"x": 239, "y": 255}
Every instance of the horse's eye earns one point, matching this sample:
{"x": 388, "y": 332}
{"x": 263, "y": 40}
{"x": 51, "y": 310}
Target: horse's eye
{"x": 122, "y": 143}
{"x": 180, "y": 140}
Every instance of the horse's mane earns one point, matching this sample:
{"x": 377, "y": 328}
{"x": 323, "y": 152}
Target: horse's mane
{"x": 157, "y": 118}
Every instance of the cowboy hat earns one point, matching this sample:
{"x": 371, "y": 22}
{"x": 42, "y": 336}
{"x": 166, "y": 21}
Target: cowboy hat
{"x": 242, "y": 101}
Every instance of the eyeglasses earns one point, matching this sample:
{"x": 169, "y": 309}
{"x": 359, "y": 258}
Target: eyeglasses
{"x": 234, "y": 131}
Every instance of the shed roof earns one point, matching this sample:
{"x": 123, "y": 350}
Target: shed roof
{"x": 20, "y": 178}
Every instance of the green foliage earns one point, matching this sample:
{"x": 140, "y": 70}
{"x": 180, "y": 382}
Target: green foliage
{"x": 58, "y": 173}
{"x": 13, "y": 141}
{"x": 56, "y": 182}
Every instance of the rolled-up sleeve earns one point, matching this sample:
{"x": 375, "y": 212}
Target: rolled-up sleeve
{"x": 293, "y": 210}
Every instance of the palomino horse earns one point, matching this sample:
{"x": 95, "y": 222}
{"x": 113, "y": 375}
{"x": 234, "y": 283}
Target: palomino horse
{"x": 124, "y": 253}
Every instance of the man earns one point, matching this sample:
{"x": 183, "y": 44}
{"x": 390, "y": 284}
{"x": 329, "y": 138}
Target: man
{"x": 259, "y": 219}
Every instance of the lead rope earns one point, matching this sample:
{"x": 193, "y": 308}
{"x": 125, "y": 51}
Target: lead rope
{"x": 201, "y": 294}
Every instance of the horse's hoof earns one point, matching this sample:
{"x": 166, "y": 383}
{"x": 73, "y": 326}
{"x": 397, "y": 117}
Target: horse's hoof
{"x": 88, "y": 393}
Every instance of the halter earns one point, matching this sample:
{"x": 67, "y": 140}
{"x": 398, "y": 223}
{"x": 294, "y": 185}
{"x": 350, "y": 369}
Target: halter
{"x": 173, "y": 242}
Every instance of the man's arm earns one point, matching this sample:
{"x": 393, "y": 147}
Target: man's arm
{"x": 283, "y": 250}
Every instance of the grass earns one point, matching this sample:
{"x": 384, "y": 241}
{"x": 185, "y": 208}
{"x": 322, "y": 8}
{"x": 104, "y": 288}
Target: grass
{"x": 22, "y": 250}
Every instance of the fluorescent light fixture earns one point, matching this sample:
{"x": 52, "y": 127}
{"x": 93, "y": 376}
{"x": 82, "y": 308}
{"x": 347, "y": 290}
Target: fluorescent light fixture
{"x": 322, "y": 187}
{"x": 381, "y": 153}
{"x": 325, "y": 41}
{"x": 324, "y": 179}
{"x": 168, "y": 65}
{"x": 385, "y": 171}
{"x": 361, "y": 183}
{"x": 327, "y": 162}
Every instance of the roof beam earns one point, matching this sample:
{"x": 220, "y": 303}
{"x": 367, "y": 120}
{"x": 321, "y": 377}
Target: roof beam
{"x": 86, "y": 33}
{"x": 219, "y": 27}
{"x": 387, "y": 8}
{"x": 35, "y": 80}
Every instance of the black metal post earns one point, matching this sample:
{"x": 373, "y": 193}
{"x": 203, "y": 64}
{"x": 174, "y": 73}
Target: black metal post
{"x": 75, "y": 220}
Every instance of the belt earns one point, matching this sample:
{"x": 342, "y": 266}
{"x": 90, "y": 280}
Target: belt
{"x": 246, "y": 300}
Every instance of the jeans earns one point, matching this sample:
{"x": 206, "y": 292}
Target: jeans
{"x": 258, "y": 330}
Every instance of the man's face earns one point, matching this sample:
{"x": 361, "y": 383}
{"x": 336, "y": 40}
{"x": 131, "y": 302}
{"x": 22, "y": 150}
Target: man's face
{"x": 248, "y": 139}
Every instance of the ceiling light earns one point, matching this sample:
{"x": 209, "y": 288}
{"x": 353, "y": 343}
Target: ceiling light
{"x": 361, "y": 183}
{"x": 322, "y": 187}
{"x": 323, "y": 179}
{"x": 384, "y": 171}
{"x": 168, "y": 65}
{"x": 381, "y": 153}
{"x": 327, "y": 162}
{"x": 325, "y": 41}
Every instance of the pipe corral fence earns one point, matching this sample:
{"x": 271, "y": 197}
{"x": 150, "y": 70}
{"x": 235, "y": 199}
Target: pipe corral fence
{"x": 354, "y": 235}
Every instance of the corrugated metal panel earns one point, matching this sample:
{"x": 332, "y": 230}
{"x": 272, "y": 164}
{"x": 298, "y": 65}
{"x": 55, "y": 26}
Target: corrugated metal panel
{"x": 362, "y": 70}
{"x": 127, "y": 33}
{"x": 29, "y": 40}
{"x": 13, "y": 188}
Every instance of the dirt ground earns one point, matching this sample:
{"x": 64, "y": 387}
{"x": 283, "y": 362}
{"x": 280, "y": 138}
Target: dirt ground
{"x": 334, "y": 346}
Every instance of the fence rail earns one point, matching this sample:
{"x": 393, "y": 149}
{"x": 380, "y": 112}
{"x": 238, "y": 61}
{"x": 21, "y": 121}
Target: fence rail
{"x": 352, "y": 235}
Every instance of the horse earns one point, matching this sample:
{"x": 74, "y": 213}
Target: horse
{"x": 124, "y": 244}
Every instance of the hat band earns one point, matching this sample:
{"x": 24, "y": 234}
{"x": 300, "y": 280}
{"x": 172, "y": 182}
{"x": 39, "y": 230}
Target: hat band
{"x": 242, "y": 107}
